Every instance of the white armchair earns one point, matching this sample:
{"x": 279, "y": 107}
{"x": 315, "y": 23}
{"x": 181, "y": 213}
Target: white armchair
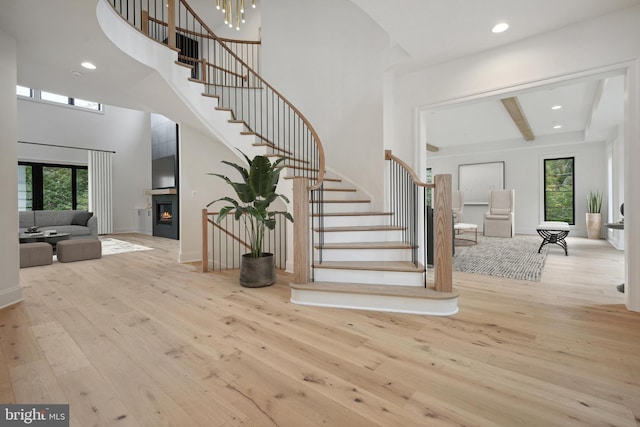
{"x": 499, "y": 220}
{"x": 457, "y": 205}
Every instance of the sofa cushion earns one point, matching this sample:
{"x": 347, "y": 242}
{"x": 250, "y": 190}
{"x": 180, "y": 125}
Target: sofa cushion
{"x": 49, "y": 218}
{"x": 74, "y": 230}
{"x": 26, "y": 219}
{"x": 81, "y": 218}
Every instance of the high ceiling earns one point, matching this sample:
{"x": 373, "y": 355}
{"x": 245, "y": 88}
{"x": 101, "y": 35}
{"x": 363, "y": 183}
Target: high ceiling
{"x": 52, "y": 42}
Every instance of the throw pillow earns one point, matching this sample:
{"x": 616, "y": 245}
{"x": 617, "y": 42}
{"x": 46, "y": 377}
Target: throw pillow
{"x": 81, "y": 218}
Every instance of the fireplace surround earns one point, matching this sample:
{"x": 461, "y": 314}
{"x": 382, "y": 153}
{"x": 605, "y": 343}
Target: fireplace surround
{"x": 165, "y": 216}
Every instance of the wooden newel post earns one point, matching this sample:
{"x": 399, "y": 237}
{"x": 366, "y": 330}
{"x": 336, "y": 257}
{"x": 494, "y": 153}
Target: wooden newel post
{"x": 301, "y": 264}
{"x": 443, "y": 229}
{"x": 171, "y": 23}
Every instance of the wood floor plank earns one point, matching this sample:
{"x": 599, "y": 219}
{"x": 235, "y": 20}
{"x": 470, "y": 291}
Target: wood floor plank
{"x": 139, "y": 339}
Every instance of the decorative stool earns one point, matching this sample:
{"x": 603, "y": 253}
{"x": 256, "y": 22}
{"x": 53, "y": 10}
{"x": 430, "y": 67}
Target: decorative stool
{"x": 78, "y": 250}
{"x": 34, "y": 254}
{"x": 553, "y": 232}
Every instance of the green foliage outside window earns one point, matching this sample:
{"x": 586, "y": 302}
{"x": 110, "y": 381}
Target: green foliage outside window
{"x": 559, "y": 193}
{"x": 52, "y": 187}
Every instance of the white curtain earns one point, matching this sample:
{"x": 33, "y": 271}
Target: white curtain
{"x": 100, "y": 189}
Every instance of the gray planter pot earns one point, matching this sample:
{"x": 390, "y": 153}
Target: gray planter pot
{"x": 257, "y": 272}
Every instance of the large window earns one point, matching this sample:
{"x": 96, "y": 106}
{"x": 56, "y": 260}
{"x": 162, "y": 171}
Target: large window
{"x": 559, "y": 194}
{"x": 52, "y": 187}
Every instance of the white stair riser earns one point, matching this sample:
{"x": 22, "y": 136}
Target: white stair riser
{"x": 343, "y": 207}
{"x": 361, "y": 236}
{"x": 364, "y": 254}
{"x": 352, "y": 220}
{"x": 425, "y": 306}
{"x": 372, "y": 277}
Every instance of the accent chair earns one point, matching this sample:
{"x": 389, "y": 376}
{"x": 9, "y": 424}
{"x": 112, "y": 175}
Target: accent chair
{"x": 457, "y": 205}
{"x": 499, "y": 220}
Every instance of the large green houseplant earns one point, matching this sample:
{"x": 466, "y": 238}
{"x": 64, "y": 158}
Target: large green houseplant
{"x": 255, "y": 194}
{"x": 594, "y": 217}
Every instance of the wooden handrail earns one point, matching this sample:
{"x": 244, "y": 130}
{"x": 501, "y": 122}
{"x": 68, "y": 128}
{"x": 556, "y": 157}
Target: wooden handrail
{"x": 211, "y": 35}
{"x": 316, "y": 138}
{"x": 388, "y": 155}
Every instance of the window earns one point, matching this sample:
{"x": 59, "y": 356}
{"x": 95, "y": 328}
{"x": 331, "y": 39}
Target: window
{"x": 559, "y": 194}
{"x": 24, "y": 91}
{"x": 52, "y": 187}
{"x": 429, "y": 180}
{"x": 58, "y": 99}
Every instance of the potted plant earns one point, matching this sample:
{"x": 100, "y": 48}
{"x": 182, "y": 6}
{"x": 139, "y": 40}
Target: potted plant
{"x": 255, "y": 194}
{"x": 594, "y": 217}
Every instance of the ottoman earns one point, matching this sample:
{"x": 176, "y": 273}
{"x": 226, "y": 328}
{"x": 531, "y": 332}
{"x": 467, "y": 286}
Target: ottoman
{"x": 35, "y": 253}
{"x": 553, "y": 232}
{"x": 78, "y": 250}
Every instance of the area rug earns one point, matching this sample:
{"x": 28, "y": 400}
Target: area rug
{"x": 111, "y": 246}
{"x": 515, "y": 258}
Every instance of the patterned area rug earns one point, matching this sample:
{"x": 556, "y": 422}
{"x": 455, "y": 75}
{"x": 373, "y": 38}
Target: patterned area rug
{"x": 112, "y": 246}
{"x": 515, "y": 258}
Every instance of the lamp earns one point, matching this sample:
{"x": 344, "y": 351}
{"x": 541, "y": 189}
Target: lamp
{"x": 227, "y": 7}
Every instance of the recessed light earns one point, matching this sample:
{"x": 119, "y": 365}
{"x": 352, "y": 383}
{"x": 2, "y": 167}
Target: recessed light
{"x": 557, "y": 126}
{"x": 499, "y": 28}
{"x": 556, "y": 107}
{"x": 88, "y": 65}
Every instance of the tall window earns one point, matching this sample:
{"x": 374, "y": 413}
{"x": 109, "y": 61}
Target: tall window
{"x": 52, "y": 187}
{"x": 429, "y": 180}
{"x": 559, "y": 194}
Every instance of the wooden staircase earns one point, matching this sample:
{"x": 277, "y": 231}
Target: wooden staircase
{"x": 363, "y": 263}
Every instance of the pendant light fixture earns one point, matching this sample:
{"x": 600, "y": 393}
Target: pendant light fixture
{"x": 233, "y": 9}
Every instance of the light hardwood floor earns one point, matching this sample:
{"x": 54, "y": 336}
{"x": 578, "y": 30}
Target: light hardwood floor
{"x": 137, "y": 339}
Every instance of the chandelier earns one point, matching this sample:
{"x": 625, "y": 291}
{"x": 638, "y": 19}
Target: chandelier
{"x": 228, "y": 6}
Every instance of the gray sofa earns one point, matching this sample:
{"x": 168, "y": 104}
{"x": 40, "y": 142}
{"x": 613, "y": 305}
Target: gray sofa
{"x": 80, "y": 224}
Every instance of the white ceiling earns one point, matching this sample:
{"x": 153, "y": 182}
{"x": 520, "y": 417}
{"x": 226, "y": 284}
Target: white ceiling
{"x": 51, "y": 42}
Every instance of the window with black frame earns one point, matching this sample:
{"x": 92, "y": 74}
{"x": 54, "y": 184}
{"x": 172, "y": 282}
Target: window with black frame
{"x": 52, "y": 187}
{"x": 559, "y": 190}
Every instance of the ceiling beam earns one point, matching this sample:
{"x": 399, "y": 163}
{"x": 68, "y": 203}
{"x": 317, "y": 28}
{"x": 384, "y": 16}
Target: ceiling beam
{"x": 517, "y": 115}
{"x": 432, "y": 148}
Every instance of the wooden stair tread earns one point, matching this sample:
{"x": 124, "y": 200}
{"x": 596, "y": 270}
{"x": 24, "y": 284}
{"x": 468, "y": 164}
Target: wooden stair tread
{"x": 360, "y": 228}
{"x": 354, "y": 214}
{"x": 346, "y": 190}
{"x": 385, "y": 290}
{"x": 365, "y": 245}
{"x": 396, "y": 266}
{"x": 341, "y": 201}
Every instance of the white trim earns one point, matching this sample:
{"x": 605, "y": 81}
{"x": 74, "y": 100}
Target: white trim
{"x": 10, "y": 296}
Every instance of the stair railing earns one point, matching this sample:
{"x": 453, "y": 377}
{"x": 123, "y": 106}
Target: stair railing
{"x": 229, "y": 69}
{"x": 231, "y": 75}
{"x": 407, "y": 199}
{"x": 224, "y": 244}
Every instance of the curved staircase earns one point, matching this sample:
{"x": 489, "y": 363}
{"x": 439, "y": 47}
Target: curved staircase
{"x": 360, "y": 258}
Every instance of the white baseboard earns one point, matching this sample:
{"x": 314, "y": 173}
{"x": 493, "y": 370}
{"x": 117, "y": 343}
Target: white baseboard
{"x": 10, "y": 296}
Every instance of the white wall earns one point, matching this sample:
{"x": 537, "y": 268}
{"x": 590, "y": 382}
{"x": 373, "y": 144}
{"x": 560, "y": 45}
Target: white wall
{"x": 127, "y": 132}
{"x": 607, "y": 44}
{"x": 328, "y": 59}
{"x": 10, "y": 290}
{"x": 615, "y": 155}
{"x": 524, "y": 174}
{"x": 199, "y": 155}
